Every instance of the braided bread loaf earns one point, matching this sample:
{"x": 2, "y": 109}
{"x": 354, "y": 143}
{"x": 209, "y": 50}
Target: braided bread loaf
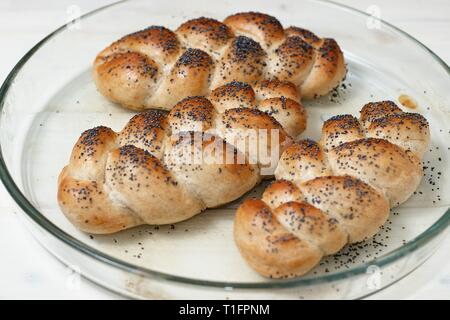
{"x": 148, "y": 173}
{"x": 335, "y": 192}
{"x": 155, "y": 67}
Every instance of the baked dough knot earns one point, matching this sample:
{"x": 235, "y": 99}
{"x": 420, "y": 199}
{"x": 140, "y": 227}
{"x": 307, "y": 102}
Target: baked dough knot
{"x": 334, "y": 192}
{"x": 157, "y": 67}
{"x": 165, "y": 167}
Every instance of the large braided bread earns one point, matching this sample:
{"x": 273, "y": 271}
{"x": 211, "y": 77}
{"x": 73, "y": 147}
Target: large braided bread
{"x": 334, "y": 192}
{"x": 148, "y": 173}
{"x": 156, "y": 67}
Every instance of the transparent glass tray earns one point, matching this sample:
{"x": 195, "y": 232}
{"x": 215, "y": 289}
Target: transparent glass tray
{"x": 49, "y": 99}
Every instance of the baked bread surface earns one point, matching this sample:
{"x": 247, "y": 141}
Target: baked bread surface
{"x": 165, "y": 167}
{"x": 157, "y": 67}
{"x": 334, "y": 192}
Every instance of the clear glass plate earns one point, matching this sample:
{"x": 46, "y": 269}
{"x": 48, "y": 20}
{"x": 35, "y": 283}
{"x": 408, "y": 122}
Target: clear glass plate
{"x": 49, "y": 99}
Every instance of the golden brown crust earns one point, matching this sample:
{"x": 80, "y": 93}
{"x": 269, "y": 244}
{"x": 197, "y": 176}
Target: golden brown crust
{"x": 205, "y": 33}
{"x": 340, "y": 129}
{"x": 246, "y": 118}
{"x": 90, "y": 153}
{"x": 244, "y": 60}
{"x": 220, "y": 163}
{"x": 302, "y": 161}
{"x": 281, "y": 191}
{"x": 147, "y": 131}
{"x": 360, "y": 209}
{"x": 380, "y": 163}
{"x": 408, "y": 130}
{"x": 269, "y": 248}
{"x": 265, "y": 29}
{"x": 165, "y": 167}
{"x": 290, "y": 239}
{"x": 336, "y": 192}
{"x": 328, "y": 70}
{"x": 242, "y": 127}
{"x": 306, "y": 35}
{"x": 157, "y": 42}
{"x": 192, "y": 114}
{"x": 193, "y": 64}
{"x": 313, "y": 225}
{"x": 139, "y": 181}
{"x": 127, "y": 78}
{"x": 155, "y": 67}
{"x": 375, "y": 110}
{"x": 104, "y": 216}
{"x": 292, "y": 60}
{"x": 233, "y": 95}
{"x": 289, "y": 113}
{"x": 274, "y": 88}
{"x": 386, "y": 120}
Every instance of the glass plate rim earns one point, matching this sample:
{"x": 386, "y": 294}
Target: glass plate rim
{"x": 434, "y": 230}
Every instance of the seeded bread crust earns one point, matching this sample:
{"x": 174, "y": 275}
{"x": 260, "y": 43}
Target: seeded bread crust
{"x": 334, "y": 192}
{"x": 157, "y": 67}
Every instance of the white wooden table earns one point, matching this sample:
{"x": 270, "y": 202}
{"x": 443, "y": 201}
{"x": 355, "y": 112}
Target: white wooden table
{"x": 28, "y": 271}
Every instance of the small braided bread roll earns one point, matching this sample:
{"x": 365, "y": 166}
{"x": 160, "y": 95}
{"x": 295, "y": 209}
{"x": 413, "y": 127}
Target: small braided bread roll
{"x": 334, "y": 192}
{"x": 148, "y": 174}
{"x": 156, "y": 67}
